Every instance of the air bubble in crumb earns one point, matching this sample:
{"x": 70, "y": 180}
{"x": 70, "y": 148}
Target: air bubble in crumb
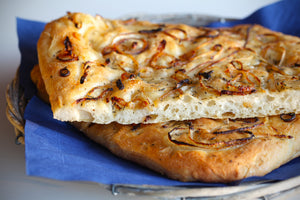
{"x": 211, "y": 103}
{"x": 228, "y": 115}
{"x": 166, "y": 107}
{"x": 270, "y": 98}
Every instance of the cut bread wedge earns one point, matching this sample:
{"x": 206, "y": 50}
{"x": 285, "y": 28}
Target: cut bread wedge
{"x": 102, "y": 71}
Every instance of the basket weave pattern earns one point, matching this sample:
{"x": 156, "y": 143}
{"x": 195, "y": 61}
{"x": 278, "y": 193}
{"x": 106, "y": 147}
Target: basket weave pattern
{"x": 16, "y": 104}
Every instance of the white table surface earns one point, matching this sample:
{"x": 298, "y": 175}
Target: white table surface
{"x": 14, "y": 183}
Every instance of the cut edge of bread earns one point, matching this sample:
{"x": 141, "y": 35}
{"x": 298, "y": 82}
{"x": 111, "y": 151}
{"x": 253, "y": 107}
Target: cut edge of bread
{"x": 188, "y": 107}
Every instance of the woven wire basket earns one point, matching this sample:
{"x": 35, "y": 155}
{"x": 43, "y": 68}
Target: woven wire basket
{"x": 16, "y": 103}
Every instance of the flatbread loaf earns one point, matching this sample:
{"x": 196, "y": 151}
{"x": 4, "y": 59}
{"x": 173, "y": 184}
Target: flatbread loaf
{"x": 100, "y": 70}
{"x": 210, "y": 150}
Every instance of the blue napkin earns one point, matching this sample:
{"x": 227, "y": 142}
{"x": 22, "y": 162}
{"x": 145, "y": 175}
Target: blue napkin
{"x": 56, "y": 150}
{"x": 283, "y": 16}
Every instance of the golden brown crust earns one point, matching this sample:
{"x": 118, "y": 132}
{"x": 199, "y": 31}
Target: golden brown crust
{"x": 36, "y": 78}
{"x": 100, "y": 70}
{"x": 204, "y": 149}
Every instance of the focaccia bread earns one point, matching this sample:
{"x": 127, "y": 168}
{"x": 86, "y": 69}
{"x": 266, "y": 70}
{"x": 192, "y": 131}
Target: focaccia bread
{"x": 35, "y": 76}
{"x": 204, "y": 149}
{"x": 210, "y": 150}
{"x": 99, "y": 70}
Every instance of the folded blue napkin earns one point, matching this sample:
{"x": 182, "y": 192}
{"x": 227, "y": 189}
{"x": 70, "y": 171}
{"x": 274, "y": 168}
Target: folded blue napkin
{"x": 56, "y": 150}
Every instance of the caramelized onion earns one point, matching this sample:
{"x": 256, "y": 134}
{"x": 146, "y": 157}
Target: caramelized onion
{"x": 85, "y": 73}
{"x": 242, "y": 76}
{"x": 90, "y": 98}
{"x": 171, "y": 92}
{"x": 238, "y": 65}
{"x": 208, "y": 33}
{"x": 66, "y": 57}
{"x": 107, "y": 61}
{"x": 208, "y": 64}
{"x": 167, "y": 32}
{"x": 67, "y": 54}
{"x": 162, "y": 45}
{"x": 64, "y": 72}
{"x": 182, "y": 136}
{"x": 288, "y": 117}
{"x": 127, "y": 43}
{"x": 206, "y": 75}
{"x": 135, "y": 127}
{"x": 275, "y": 50}
{"x": 246, "y": 120}
{"x": 182, "y": 82}
{"x": 181, "y": 78}
{"x": 234, "y": 81}
{"x": 238, "y": 129}
{"x": 194, "y": 54}
{"x": 118, "y": 102}
{"x": 159, "y": 53}
{"x": 121, "y": 103}
{"x": 176, "y": 141}
{"x": 147, "y": 118}
{"x": 119, "y": 84}
{"x": 68, "y": 44}
{"x": 130, "y": 46}
{"x": 76, "y": 24}
{"x": 87, "y": 66}
{"x": 151, "y": 31}
{"x": 248, "y": 35}
{"x": 283, "y": 136}
{"x": 241, "y": 91}
{"x": 268, "y": 38}
{"x": 217, "y": 47}
{"x": 296, "y": 64}
{"x": 126, "y": 76}
{"x": 140, "y": 102}
{"x": 232, "y": 142}
{"x": 273, "y": 69}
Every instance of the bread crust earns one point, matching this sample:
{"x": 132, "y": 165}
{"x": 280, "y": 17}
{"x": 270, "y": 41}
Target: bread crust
{"x": 100, "y": 70}
{"x": 274, "y": 143}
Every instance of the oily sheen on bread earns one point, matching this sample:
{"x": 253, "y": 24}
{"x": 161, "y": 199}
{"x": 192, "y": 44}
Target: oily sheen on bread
{"x": 210, "y": 150}
{"x": 100, "y": 70}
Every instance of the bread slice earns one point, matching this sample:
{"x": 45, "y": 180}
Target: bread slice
{"x": 100, "y": 70}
